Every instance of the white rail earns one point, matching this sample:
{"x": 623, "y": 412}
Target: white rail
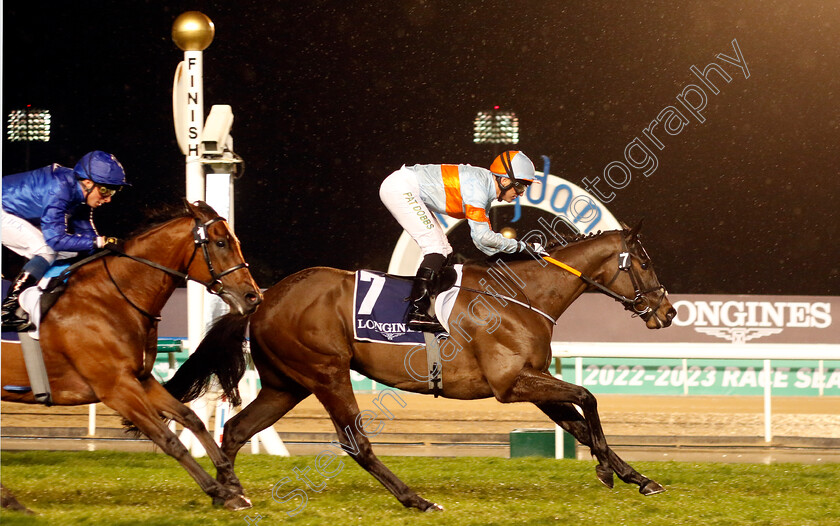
{"x": 697, "y": 351}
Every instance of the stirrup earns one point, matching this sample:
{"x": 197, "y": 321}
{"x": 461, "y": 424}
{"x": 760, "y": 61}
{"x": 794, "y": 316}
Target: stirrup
{"x": 15, "y": 323}
{"x": 424, "y": 323}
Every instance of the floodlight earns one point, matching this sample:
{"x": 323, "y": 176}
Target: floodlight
{"x": 29, "y": 124}
{"x": 496, "y": 127}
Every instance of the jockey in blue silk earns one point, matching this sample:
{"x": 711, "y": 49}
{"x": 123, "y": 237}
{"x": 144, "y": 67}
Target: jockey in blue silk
{"x": 460, "y": 191}
{"x": 43, "y": 218}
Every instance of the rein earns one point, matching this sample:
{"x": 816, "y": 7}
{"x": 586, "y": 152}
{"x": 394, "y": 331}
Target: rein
{"x": 508, "y": 298}
{"x": 639, "y": 304}
{"x": 214, "y": 286}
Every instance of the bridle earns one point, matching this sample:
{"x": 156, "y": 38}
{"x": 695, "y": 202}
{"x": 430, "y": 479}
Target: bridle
{"x": 214, "y": 286}
{"x": 640, "y": 305}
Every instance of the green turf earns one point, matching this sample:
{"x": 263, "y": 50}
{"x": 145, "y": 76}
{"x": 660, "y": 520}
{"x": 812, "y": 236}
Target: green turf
{"x": 149, "y": 489}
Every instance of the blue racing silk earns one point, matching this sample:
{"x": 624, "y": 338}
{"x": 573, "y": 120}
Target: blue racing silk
{"x": 51, "y": 198}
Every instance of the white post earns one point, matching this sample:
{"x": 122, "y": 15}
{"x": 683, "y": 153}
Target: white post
{"x": 768, "y": 433}
{"x": 193, "y": 69}
{"x": 192, "y": 32}
{"x": 91, "y": 419}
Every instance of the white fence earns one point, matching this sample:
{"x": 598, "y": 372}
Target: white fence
{"x": 686, "y": 351}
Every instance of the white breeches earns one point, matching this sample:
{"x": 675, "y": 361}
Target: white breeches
{"x": 24, "y": 238}
{"x": 401, "y": 195}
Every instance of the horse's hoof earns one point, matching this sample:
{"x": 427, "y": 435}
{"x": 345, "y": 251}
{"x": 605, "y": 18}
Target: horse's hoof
{"x": 434, "y": 507}
{"x": 238, "y": 502}
{"x": 650, "y": 487}
{"x": 605, "y": 475}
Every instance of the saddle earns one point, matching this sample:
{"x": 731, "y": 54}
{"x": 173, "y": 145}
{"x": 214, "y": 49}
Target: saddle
{"x": 49, "y": 290}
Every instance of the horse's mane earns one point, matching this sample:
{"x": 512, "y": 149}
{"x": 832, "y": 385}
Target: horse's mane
{"x": 162, "y": 214}
{"x": 564, "y": 240}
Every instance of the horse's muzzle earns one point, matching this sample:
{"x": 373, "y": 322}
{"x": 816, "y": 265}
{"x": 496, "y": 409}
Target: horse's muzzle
{"x": 245, "y": 304}
{"x": 654, "y": 321}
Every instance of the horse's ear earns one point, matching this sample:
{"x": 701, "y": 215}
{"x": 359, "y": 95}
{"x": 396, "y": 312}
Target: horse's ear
{"x": 200, "y": 210}
{"x": 635, "y": 230}
{"x": 192, "y": 209}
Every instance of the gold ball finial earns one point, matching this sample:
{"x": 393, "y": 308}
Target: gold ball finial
{"x": 508, "y": 232}
{"x": 193, "y": 31}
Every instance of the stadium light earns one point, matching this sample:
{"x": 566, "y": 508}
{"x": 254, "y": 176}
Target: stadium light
{"x": 496, "y": 127}
{"x": 29, "y": 124}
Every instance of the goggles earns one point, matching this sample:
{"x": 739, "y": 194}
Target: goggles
{"x": 519, "y": 187}
{"x": 107, "y": 191}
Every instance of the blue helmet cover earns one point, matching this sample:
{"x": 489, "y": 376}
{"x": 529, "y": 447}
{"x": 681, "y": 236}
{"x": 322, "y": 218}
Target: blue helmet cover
{"x": 102, "y": 168}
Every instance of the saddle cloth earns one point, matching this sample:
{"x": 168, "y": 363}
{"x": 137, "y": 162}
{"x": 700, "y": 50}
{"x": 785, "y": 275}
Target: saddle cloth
{"x": 380, "y": 306}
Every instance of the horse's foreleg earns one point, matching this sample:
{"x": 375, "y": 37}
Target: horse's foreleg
{"x": 567, "y": 417}
{"x": 128, "y": 398}
{"x": 340, "y": 403}
{"x": 537, "y": 387}
{"x": 168, "y": 406}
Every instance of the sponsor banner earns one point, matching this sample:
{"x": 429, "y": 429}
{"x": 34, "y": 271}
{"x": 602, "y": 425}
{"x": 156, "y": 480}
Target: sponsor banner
{"x": 706, "y": 377}
{"x": 733, "y": 319}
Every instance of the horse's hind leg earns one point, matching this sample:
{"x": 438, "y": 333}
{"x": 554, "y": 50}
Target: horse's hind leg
{"x": 127, "y": 397}
{"x": 268, "y": 407}
{"x": 8, "y": 501}
{"x": 167, "y": 405}
{"x": 340, "y": 402}
{"x": 567, "y": 417}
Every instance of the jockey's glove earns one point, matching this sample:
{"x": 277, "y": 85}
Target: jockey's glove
{"x": 112, "y": 243}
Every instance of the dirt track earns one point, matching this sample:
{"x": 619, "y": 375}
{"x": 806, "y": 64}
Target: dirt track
{"x": 621, "y": 415}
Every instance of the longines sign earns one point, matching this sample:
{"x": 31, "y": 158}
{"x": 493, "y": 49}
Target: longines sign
{"x": 709, "y": 319}
{"x": 740, "y": 321}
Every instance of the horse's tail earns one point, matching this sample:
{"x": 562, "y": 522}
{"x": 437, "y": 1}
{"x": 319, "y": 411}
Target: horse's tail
{"x": 220, "y": 353}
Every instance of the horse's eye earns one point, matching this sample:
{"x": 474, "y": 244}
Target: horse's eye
{"x": 221, "y": 243}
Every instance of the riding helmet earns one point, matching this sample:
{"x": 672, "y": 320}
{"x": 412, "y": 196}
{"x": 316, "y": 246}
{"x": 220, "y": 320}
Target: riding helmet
{"x": 102, "y": 168}
{"x": 513, "y": 165}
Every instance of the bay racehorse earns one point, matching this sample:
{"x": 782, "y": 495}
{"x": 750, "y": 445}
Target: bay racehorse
{"x": 99, "y": 339}
{"x": 302, "y": 343}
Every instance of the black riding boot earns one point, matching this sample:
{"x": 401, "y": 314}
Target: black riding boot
{"x": 11, "y": 321}
{"x": 418, "y": 316}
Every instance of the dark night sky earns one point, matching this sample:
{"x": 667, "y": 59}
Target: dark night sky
{"x": 332, "y": 96}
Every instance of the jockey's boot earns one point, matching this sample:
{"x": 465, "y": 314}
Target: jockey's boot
{"x": 10, "y": 318}
{"x": 418, "y": 316}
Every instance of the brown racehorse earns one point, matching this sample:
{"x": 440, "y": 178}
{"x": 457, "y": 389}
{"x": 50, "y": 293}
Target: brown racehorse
{"x": 99, "y": 340}
{"x": 302, "y": 343}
